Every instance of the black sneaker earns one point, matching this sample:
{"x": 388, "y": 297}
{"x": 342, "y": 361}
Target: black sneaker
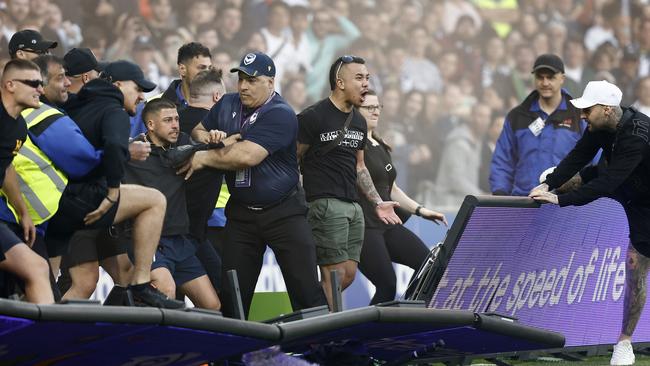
{"x": 146, "y": 295}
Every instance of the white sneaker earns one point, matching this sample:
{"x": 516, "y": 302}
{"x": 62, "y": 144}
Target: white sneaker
{"x": 623, "y": 354}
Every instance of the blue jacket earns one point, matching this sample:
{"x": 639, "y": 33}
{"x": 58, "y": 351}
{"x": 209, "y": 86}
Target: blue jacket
{"x": 64, "y": 143}
{"x": 520, "y": 157}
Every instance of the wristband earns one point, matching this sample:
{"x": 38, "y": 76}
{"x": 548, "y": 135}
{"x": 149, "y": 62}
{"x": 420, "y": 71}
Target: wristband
{"x": 417, "y": 210}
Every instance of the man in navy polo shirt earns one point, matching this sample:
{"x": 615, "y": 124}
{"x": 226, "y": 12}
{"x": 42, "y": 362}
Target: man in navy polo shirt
{"x": 265, "y": 206}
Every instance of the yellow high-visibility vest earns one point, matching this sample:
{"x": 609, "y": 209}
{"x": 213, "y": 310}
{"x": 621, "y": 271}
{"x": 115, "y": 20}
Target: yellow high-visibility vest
{"x": 41, "y": 183}
{"x": 501, "y": 28}
{"x": 224, "y": 195}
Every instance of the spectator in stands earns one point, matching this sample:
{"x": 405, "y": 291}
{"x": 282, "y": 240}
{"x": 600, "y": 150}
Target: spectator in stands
{"x": 295, "y": 94}
{"x": 277, "y": 36}
{"x": 175, "y": 264}
{"x": 161, "y": 20}
{"x": 28, "y": 44}
{"x": 454, "y": 9}
{"x": 382, "y": 243}
{"x": 266, "y": 206}
{"x": 626, "y": 74}
{"x": 207, "y": 36}
{"x": 577, "y": 72}
{"x": 98, "y": 200}
{"x": 130, "y": 29}
{"x": 642, "y": 103}
{"x": 221, "y": 60}
{"x": 537, "y": 134}
{"x": 21, "y": 88}
{"x": 643, "y": 45}
{"x": 460, "y": 162}
{"x": 494, "y": 67}
{"x": 516, "y": 87}
{"x": 229, "y": 29}
{"x": 199, "y": 12}
{"x": 622, "y": 134}
{"x": 255, "y": 43}
{"x": 419, "y": 72}
{"x": 487, "y": 150}
{"x": 17, "y": 13}
{"x": 299, "y": 47}
{"x": 66, "y": 32}
{"x": 326, "y": 38}
{"x": 331, "y": 139}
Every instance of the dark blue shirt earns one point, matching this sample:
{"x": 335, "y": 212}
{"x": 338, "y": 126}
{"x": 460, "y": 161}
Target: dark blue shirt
{"x": 273, "y": 126}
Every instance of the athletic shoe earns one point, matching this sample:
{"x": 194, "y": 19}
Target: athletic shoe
{"x": 623, "y": 354}
{"x": 146, "y": 295}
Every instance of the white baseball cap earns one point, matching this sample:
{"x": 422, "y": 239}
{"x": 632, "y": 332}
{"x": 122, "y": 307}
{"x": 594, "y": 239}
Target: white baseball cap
{"x": 599, "y": 92}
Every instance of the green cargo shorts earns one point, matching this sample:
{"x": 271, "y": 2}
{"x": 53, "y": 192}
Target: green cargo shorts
{"x": 337, "y": 227}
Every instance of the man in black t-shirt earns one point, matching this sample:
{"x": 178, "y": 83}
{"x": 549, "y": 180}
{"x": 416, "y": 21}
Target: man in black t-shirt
{"x": 623, "y": 135}
{"x": 22, "y": 86}
{"x": 265, "y": 207}
{"x": 331, "y": 153}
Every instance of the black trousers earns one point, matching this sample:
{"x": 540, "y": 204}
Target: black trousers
{"x": 381, "y": 247}
{"x": 285, "y": 230}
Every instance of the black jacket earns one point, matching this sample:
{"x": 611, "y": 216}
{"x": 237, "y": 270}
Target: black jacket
{"x": 170, "y": 94}
{"x": 99, "y": 112}
{"x": 625, "y": 175}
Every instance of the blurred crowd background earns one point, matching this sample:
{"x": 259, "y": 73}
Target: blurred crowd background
{"x": 440, "y": 67}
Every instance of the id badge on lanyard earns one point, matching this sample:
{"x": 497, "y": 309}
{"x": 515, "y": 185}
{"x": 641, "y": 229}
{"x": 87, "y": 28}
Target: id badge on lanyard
{"x": 243, "y": 176}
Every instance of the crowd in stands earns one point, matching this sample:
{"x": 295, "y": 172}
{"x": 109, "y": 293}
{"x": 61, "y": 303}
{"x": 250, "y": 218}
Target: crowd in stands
{"x": 441, "y": 67}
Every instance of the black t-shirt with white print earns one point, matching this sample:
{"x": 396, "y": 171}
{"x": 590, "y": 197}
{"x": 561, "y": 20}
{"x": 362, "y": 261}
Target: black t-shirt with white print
{"x": 333, "y": 175}
{"x": 13, "y": 132}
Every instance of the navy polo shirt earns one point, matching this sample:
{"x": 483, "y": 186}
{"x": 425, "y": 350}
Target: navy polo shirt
{"x": 273, "y": 126}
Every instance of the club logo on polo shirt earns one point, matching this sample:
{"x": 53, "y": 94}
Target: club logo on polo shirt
{"x": 234, "y": 114}
{"x": 248, "y": 59}
{"x": 253, "y": 118}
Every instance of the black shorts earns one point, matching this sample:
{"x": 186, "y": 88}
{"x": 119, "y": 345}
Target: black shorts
{"x": 8, "y": 237}
{"x": 638, "y": 219}
{"x": 92, "y": 246}
{"x": 177, "y": 253}
{"x": 77, "y": 201}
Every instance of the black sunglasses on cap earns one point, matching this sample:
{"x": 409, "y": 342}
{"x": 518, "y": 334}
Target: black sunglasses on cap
{"x": 32, "y": 83}
{"x": 347, "y": 59}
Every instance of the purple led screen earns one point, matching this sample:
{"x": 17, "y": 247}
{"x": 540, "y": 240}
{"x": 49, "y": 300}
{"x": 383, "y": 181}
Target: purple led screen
{"x": 560, "y": 269}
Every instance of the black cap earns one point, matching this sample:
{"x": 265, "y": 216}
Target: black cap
{"x": 125, "y": 70}
{"x": 80, "y": 60}
{"x": 549, "y": 61}
{"x": 256, "y": 64}
{"x": 31, "y": 40}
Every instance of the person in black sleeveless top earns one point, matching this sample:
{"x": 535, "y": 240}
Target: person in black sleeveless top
{"x": 384, "y": 244}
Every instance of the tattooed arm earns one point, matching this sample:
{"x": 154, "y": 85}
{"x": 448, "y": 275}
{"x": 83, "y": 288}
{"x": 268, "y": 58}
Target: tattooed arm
{"x": 384, "y": 209}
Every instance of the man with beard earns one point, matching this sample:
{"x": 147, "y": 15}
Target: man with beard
{"x": 175, "y": 265}
{"x": 331, "y": 138}
{"x": 98, "y": 200}
{"x": 623, "y": 135}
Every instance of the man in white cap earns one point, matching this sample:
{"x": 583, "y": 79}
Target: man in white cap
{"x": 623, "y": 135}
